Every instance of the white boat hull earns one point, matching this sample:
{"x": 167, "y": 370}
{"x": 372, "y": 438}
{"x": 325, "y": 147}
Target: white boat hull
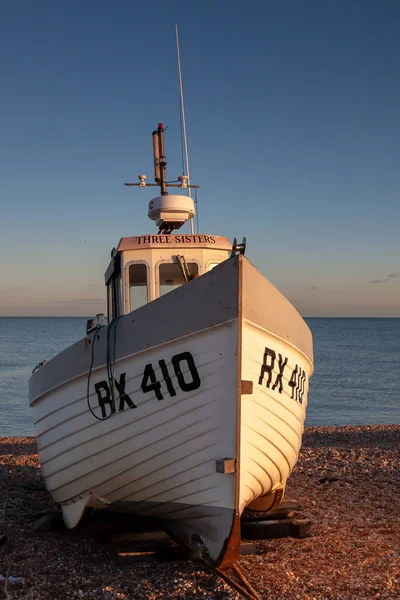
{"x": 229, "y": 394}
{"x": 272, "y": 417}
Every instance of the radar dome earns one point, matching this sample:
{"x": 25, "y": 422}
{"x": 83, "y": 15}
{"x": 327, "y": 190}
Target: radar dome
{"x": 171, "y": 211}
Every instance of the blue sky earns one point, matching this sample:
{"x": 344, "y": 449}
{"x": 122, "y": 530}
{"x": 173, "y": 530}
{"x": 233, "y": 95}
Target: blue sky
{"x": 293, "y": 129}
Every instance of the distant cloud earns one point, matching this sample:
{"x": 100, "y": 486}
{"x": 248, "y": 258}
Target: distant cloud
{"x": 380, "y": 280}
{"x": 83, "y": 301}
{"x": 390, "y": 276}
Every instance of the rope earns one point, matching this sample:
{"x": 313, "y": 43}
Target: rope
{"x": 111, "y": 362}
{"x": 110, "y": 367}
{"x": 16, "y": 506}
{"x": 244, "y": 587}
{"x": 89, "y": 376}
{"x": 246, "y": 582}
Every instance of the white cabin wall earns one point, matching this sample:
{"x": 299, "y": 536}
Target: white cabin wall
{"x": 152, "y": 257}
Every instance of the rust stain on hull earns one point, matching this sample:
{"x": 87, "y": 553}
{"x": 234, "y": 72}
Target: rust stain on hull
{"x": 230, "y": 552}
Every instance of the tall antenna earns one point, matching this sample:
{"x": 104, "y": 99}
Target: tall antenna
{"x": 183, "y": 120}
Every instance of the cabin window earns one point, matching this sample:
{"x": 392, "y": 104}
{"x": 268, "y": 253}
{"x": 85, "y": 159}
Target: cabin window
{"x": 212, "y": 266}
{"x": 138, "y": 289}
{"x": 171, "y": 276}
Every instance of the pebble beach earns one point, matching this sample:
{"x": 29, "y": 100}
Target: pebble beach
{"x": 347, "y": 481}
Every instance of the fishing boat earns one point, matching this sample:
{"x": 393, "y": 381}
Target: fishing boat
{"x": 187, "y": 404}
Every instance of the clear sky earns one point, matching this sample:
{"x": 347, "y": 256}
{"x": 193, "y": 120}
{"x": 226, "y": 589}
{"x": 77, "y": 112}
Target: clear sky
{"x": 293, "y": 130}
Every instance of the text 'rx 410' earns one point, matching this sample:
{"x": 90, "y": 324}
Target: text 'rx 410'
{"x": 272, "y": 371}
{"x": 188, "y": 378}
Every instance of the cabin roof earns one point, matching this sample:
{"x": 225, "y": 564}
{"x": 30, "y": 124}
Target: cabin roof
{"x": 144, "y": 242}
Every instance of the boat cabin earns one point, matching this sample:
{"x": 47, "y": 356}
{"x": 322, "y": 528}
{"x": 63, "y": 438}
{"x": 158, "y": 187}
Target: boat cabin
{"x": 145, "y": 267}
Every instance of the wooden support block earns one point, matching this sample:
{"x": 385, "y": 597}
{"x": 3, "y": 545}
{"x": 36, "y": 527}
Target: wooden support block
{"x": 51, "y": 522}
{"x": 264, "y": 530}
{"x": 124, "y": 558}
{"x": 256, "y": 515}
{"x": 48, "y": 525}
{"x": 159, "y": 555}
{"x": 134, "y": 555}
{"x": 138, "y": 536}
{"x": 286, "y": 510}
{"x": 286, "y": 507}
{"x": 247, "y": 548}
{"x": 105, "y": 525}
{"x": 44, "y": 534}
{"x": 300, "y": 528}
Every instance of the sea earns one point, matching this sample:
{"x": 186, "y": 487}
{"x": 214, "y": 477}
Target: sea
{"x": 356, "y": 379}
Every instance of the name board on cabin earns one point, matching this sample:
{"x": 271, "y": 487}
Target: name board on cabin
{"x": 174, "y": 241}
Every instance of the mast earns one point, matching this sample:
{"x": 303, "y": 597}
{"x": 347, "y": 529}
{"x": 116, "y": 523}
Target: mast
{"x": 170, "y": 212}
{"x": 183, "y": 119}
{"x": 160, "y": 162}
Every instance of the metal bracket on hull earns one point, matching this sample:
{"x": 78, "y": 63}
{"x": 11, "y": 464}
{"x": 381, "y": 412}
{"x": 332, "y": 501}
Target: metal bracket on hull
{"x": 226, "y": 465}
{"x": 247, "y": 387}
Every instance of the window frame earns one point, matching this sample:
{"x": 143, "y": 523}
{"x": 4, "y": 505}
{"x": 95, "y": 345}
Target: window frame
{"x": 127, "y": 283}
{"x": 170, "y": 262}
{"x": 213, "y": 262}
{"x": 114, "y": 285}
